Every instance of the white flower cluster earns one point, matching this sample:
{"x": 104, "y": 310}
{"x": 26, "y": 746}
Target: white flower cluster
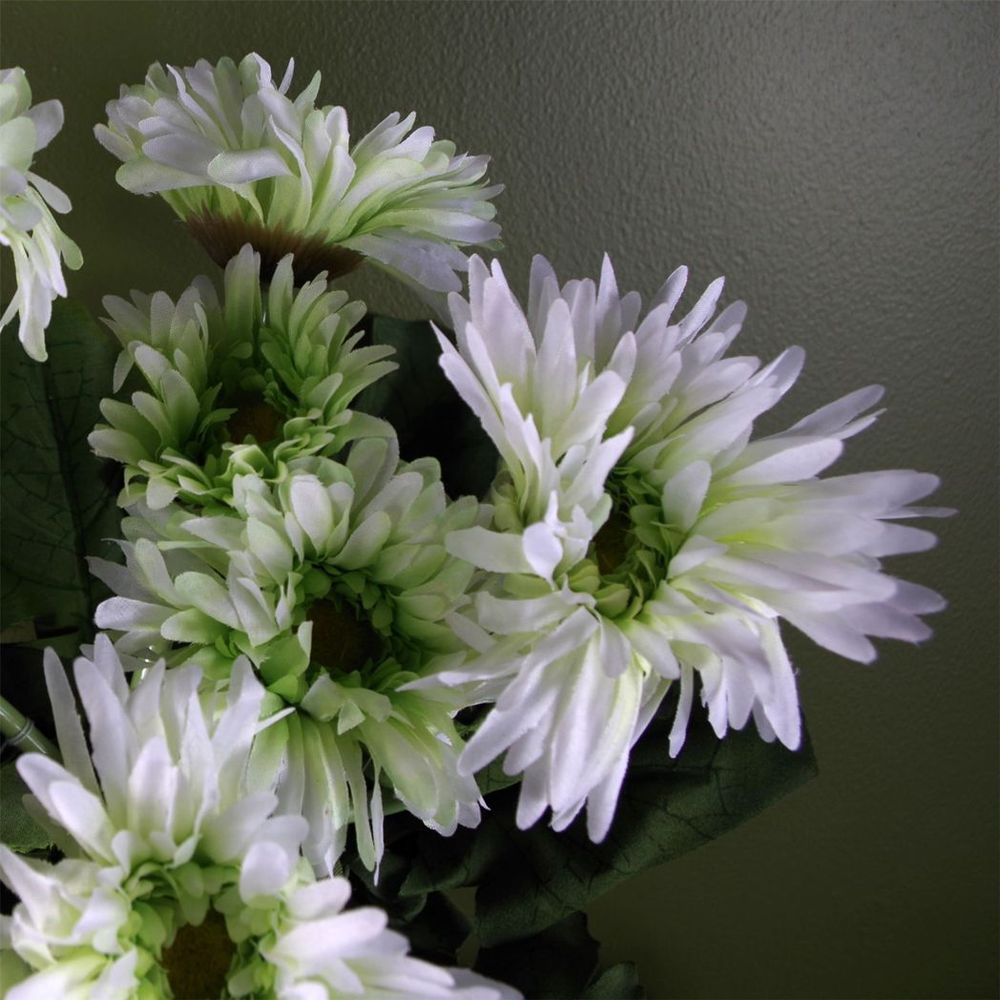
{"x": 304, "y": 614}
{"x": 216, "y": 370}
{"x": 27, "y": 202}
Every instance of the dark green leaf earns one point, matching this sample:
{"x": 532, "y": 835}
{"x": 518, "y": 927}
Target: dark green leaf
{"x": 555, "y": 963}
{"x": 17, "y": 829}
{"x": 384, "y": 892}
{"x": 57, "y": 501}
{"x": 22, "y": 679}
{"x": 493, "y": 777}
{"x": 427, "y": 413}
{"x": 465, "y": 858}
{"x": 530, "y": 879}
{"x": 437, "y": 931}
{"x": 620, "y": 982}
{"x": 435, "y": 927}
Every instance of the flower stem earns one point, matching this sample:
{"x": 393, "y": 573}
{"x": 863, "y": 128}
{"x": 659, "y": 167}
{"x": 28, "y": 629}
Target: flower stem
{"x": 21, "y": 732}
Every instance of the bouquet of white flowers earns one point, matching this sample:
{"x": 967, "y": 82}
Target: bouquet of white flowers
{"x": 377, "y": 600}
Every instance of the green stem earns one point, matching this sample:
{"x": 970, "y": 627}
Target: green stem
{"x": 21, "y": 732}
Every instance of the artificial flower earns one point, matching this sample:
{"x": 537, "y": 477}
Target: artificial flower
{"x": 155, "y": 820}
{"x": 241, "y": 384}
{"x": 27, "y": 202}
{"x": 335, "y": 582}
{"x": 239, "y": 160}
{"x": 641, "y": 538}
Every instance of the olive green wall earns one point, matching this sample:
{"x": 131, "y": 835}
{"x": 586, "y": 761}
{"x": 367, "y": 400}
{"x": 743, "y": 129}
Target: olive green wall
{"x": 839, "y": 163}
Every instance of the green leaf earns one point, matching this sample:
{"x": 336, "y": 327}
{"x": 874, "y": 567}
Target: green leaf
{"x": 556, "y": 963}
{"x": 530, "y": 879}
{"x": 620, "y": 982}
{"x": 437, "y": 931}
{"x": 467, "y": 857}
{"x": 429, "y": 416}
{"x": 57, "y": 500}
{"x": 17, "y": 829}
{"x": 435, "y": 927}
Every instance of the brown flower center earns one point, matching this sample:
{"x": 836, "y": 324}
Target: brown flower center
{"x": 256, "y": 418}
{"x": 340, "y": 642}
{"x": 197, "y": 962}
{"x": 224, "y": 236}
{"x": 611, "y": 543}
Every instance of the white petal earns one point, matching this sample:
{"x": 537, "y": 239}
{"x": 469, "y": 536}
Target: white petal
{"x": 264, "y": 871}
{"x": 541, "y": 549}
{"x": 244, "y": 166}
{"x": 69, "y": 730}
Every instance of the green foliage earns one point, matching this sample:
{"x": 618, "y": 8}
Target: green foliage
{"x": 559, "y": 963}
{"x": 556, "y": 963}
{"x": 620, "y": 982}
{"x": 57, "y": 506}
{"x": 528, "y": 880}
{"x": 427, "y": 413}
{"x": 17, "y": 829}
{"x": 434, "y": 926}
{"x": 57, "y": 501}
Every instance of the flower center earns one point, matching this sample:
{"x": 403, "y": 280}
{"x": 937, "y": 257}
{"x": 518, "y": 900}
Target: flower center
{"x": 630, "y": 552}
{"x": 611, "y": 543}
{"x": 197, "y": 962}
{"x": 254, "y": 417}
{"x": 341, "y": 642}
{"x": 223, "y": 237}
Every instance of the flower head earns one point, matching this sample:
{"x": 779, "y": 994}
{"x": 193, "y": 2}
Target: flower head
{"x": 164, "y": 783}
{"x": 641, "y": 537}
{"x": 155, "y": 821}
{"x": 27, "y": 202}
{"x": 335, "y": 582}
{"x": 239, "y": 160}
{"x": 238, "y": 385}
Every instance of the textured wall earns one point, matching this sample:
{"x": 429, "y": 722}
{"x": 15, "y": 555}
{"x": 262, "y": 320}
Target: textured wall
{"x": 839, "y": 163}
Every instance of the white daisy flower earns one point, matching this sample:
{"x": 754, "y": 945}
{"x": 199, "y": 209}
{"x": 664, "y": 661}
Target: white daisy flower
{"x": 236, "y": 385}
{"x": 70, "y": 931}
{"x": 155, "y": 820}
{"x": 241, "y": 161}
{"x": 165, "y": 781}
{"x": 640, "y": 537}
{"x": 27, "y": 202}
{"x": 336, "y": 583}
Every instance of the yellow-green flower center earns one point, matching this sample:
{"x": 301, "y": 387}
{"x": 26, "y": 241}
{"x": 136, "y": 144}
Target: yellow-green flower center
{"x": 630, "y": 552}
